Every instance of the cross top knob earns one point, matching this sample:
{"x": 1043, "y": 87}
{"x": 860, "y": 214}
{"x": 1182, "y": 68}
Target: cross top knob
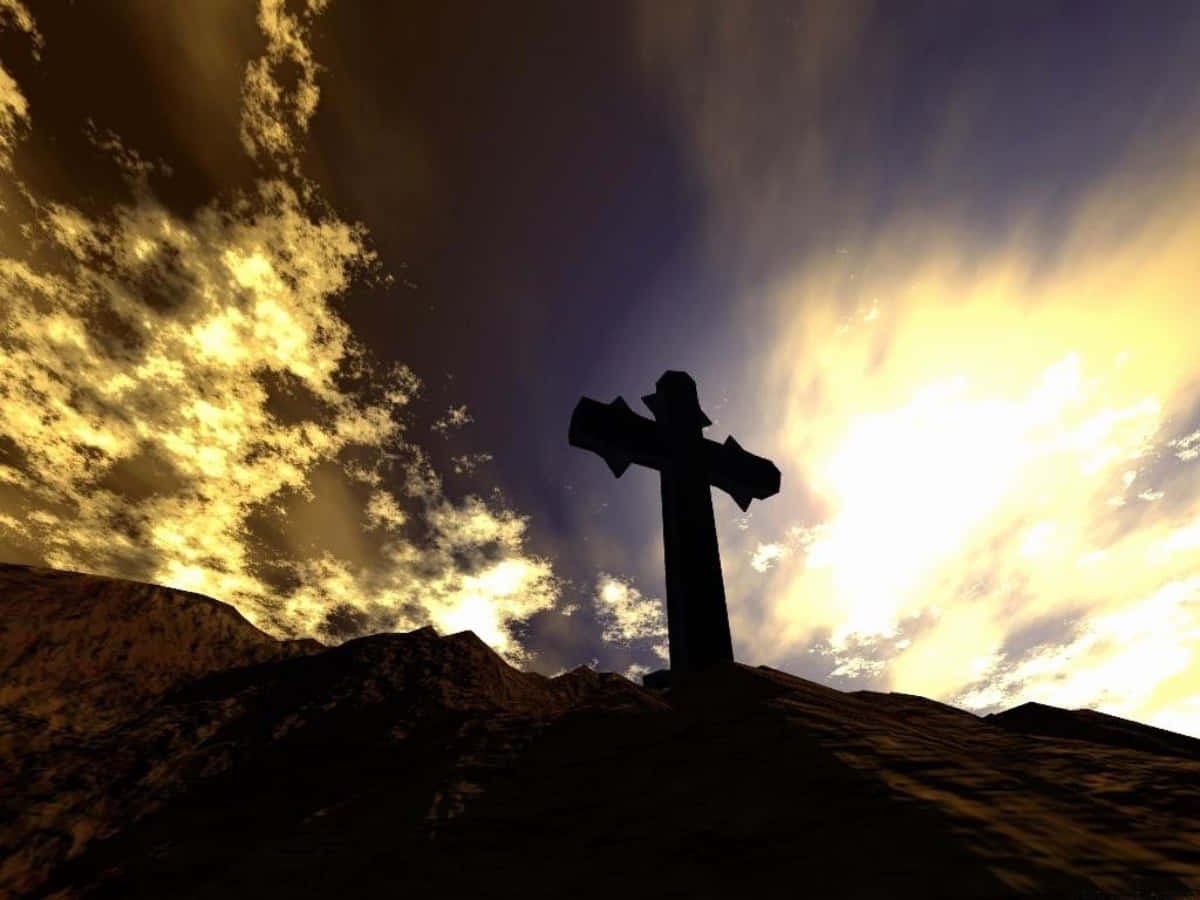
{"x": 675, "y": 403}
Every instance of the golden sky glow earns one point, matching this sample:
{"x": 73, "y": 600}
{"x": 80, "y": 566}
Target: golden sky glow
{"x": 990, "y": 465}
{"x": 989, "y": 448}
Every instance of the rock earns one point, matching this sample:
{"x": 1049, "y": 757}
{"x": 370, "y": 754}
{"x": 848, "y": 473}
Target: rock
{"x": 85, "y": 652}
{"x": 425, "y": 765}
{"x": 1096, "y": 728}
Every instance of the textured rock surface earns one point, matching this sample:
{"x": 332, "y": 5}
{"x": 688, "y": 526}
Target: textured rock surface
{"x": 424, "y": 764}
{"x": 81, "y": 658}
{"x": 84, "y": 652}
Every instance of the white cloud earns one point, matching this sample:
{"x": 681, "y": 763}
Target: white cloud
{"x": 856, "y": 666}
{"x": 1178, "y": 540}
{"x": 626, "y": 613}
{"x": 1116, "y": 662}
{"x": 1037, "y": 539}
{"x": 1187, "y": 448}
{"x": 635, "y": 672}
{"x": 765, "y": 556}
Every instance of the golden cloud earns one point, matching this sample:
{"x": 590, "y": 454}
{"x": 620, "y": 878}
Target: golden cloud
{"x": 14, "y": 109}
{"x": 179, "y": 395}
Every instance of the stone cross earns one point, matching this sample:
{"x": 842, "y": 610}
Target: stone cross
{"x": 697, "y": 620}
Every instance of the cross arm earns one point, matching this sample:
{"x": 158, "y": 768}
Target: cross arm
{"x": 740, "y": 474}
{"x": 616, "y": 433}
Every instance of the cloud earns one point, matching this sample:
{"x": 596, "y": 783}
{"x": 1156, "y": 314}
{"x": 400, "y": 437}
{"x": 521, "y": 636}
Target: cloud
{"x": 274, "y": 115}
{"x": 1187, "y": 448}
{"x": 962, "y": 377}
{"x": 765, "y": 556}
{"x": 469, "y": 462}
{"x": 182, "y": 404}
{"x": 812, "y": 542}
{"x": 627, "y": 615}
{"x": 14, "y": 109}
{"x": 455, "y": 417}
{"x": 635, "y": 672}
{"x": 1130, "y": 660}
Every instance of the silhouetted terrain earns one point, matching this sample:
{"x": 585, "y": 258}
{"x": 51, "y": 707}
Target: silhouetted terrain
{"x": 155, "y": 744}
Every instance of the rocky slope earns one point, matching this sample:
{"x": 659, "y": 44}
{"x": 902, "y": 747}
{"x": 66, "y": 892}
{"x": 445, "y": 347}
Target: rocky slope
{"x": 241, "y": 767}
{"x": 83, "y": 652}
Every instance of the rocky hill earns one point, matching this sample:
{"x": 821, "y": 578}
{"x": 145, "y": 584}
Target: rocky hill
{"x": 155, "y": 744}
{"x": 83, "y": 652}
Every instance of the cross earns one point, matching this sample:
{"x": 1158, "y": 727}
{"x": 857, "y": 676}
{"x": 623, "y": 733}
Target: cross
{"x": 688, "y": 462}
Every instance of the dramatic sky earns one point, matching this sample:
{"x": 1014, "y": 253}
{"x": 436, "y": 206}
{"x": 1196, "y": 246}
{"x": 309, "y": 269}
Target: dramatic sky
{"x": 296, "y": 300}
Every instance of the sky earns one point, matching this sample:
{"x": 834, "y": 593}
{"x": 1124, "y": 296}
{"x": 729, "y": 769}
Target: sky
{"x": 296, "y": 300}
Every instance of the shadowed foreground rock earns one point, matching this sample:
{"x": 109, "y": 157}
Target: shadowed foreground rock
{"x": 424, "y": 765}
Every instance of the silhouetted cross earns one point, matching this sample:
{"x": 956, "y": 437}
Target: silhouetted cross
{"x": 697, "y": 620}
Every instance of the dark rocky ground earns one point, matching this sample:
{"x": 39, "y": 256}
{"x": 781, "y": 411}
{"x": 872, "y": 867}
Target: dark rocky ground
{"x": 154, "y": 744}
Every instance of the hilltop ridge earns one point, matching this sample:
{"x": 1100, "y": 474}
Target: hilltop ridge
{"x": 248, "y": 767}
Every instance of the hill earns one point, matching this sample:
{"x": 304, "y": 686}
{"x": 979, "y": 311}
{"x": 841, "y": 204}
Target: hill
{"x": 244, "y": 767}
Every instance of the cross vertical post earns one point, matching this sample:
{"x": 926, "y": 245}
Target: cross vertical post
{"x": 688, "y": 463}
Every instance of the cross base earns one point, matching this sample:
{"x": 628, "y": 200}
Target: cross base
{"x": 660, "y": 680}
